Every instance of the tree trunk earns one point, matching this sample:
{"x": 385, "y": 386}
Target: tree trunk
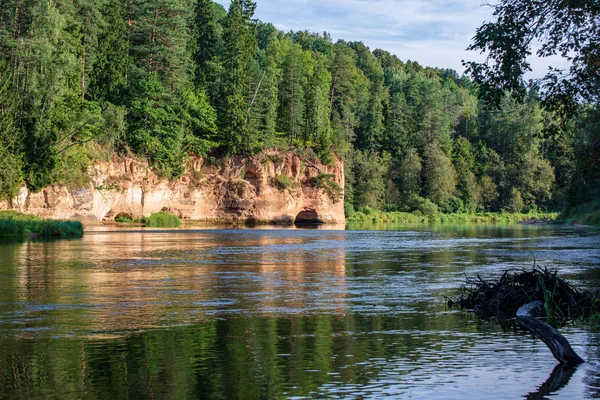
{"x": 558, "y": 345}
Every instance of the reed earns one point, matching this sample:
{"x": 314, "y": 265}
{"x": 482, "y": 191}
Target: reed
{"x": 18, "y": 225}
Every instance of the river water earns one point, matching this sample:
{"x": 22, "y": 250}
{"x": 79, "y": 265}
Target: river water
{"x": 283, "y": 313}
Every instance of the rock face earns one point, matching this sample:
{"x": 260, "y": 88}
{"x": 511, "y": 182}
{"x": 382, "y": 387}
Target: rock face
{"x": 270, "y": 187}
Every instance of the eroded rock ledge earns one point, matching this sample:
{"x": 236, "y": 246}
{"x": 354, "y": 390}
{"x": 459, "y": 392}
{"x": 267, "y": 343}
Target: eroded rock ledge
{"x": 269, "y": 187}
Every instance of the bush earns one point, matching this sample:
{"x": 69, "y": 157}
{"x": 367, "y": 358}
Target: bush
{"x": 368, "y": 210}
{"x": 283, "y": 182}
{"x": 423, "y": 206}
{"x": 163, "y": 220}
{"x": 327, "y": 184}
{"x": 531, "y": 209}
{"x": 391, "y": 208}
{"x": 454, "y": 205}
{"x": 348, "y": 209}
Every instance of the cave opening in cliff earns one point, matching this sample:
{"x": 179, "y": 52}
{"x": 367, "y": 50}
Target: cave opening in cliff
{"x": 251, "y": 178}
{"x": 308, "y": 217}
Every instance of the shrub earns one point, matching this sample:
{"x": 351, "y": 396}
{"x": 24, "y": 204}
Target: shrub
{"x": 163, "y": 220}
{"x": 348, "y": 208}
{"x": 283, "y": 182}
{"x": 423, "y": 206}
{"x": 368, "y": 210}
{"x": 391, "y": 208}
{"x": 328, "y": 185}
{"x": 531, "y": 209}
{"x": 454, "y": 205}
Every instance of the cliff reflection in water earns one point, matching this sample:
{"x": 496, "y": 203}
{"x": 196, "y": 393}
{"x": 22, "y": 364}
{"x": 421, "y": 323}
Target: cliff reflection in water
{"x": 273, "y": 314}
{"x": 120, "y": 283}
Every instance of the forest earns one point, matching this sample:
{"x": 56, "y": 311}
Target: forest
{"x": 171, "y": 79}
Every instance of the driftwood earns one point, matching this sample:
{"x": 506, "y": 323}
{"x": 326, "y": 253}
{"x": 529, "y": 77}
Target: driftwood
{"x": 501, "y": 298}
{"x": 558, "y": 345}
{"x": 524, "y": 297}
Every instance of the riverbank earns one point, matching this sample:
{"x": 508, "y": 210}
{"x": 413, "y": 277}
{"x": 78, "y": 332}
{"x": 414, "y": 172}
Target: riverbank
{"x": 14, "y": 225}
{"x": 584, "y": 214}
{"x": 414, "y": 218}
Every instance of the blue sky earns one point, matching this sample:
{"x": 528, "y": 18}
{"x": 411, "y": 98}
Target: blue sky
{"x": 433, "y": 32}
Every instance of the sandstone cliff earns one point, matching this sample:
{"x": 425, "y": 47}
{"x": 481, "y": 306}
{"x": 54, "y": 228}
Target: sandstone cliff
{"x": 269, "y": 187}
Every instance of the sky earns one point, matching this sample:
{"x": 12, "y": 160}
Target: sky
{"x": 434, "y": 33}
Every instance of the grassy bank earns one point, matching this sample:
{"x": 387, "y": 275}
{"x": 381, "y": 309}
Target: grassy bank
{"x": 414, "y": 218}
{"x": 586, "y": 214}
{"x": 17, "y": 225}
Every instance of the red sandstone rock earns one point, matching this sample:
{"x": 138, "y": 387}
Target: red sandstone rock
{"x": 237, "y": 189}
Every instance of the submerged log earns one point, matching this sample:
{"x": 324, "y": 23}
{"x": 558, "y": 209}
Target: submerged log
{"x": 522, "y": 296}
{"x": 557, "y": 343}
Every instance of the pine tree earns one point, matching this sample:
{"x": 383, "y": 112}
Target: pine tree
{"x": 464, "y": 161}
{"x": 292, "y": 97}
{"x": 264, "y": 112}
{"x": 108, "y": 78}
{"x": 318, "y": 106}
{"x": 348, "y": 87}
{"x": 206, "y": 38}
{"x": 371, "y": 126}
{"x": 240, "y": 45}
{"x": 159, "y": 41}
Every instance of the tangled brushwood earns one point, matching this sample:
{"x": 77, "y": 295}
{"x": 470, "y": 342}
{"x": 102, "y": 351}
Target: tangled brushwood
{"x": 502, "y": 298}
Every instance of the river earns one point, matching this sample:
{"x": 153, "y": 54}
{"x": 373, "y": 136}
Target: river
{"x": 283, "y": 313}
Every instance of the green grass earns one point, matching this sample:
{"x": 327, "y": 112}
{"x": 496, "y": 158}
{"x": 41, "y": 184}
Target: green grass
{"x": 587, "y": 214}
{"x": 412, "y": 218}
{"x": 18, "y": 225}
{"x": 163, "y": 220}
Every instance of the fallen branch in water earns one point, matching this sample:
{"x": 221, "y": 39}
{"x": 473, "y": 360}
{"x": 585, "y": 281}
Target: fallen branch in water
{"x": 502, "y": 298}
{"x": 520, "y": 295}
{"x": 557, "y": 343}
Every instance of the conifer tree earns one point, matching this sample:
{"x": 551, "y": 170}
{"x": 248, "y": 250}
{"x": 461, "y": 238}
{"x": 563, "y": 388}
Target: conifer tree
{"x": 108, "y": 78}
{"x": 240, "y": 45}
{"x": 206, "y": 38}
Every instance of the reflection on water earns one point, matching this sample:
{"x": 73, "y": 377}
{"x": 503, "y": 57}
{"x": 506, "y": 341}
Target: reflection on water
{"x": 281, "y": 313}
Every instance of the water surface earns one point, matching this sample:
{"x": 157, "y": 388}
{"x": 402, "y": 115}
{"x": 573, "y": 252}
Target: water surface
{"x": 282, "y": 313}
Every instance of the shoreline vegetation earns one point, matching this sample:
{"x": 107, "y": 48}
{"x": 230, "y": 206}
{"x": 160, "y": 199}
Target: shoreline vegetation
{"x": 584, "y": 214}
{"x": 416, "y": 218}
{"x": 15, "y": 225}
{"x": 373, "y": 216}
{"x": 157, "y": 220}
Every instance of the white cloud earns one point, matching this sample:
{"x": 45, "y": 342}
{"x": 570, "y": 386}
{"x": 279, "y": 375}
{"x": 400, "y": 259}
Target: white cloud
{"x": 432, "y": 32}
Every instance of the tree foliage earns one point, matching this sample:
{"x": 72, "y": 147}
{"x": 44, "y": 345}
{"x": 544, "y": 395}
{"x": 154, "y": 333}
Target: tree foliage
{"x": 567, "y": 28}
{"x": 169, "y": 79}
